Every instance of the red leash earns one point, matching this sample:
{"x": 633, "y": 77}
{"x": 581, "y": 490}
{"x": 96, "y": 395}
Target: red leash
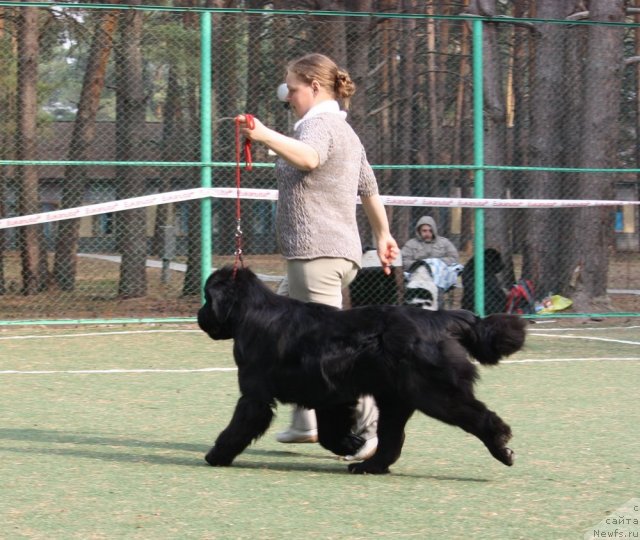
{"x": 248, "y": 166}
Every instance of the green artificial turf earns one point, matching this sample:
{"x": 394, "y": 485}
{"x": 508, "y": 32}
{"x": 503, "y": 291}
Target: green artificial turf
{"x": 120, "y": 454}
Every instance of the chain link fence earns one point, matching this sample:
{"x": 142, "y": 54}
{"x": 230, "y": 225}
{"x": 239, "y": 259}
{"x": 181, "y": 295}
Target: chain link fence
{"x": 104, "y": 105}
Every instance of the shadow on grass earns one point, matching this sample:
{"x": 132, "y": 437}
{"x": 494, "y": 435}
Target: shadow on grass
{"x": 69, "y": 437}
{"x": 342, "y": 469}
{"x": 325, "y": 463}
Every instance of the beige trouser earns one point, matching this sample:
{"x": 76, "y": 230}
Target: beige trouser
{"x": 322, "y": 280}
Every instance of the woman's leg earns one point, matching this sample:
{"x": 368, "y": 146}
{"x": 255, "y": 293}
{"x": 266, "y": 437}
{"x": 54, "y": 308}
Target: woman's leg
{"x": 322, "y": 280}
{"x": 303, "y": 427}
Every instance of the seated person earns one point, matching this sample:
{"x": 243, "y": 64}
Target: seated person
{"x": 428, "y": 245}
{"x": 494, "y": 296}
{"x": 438, "y": 251}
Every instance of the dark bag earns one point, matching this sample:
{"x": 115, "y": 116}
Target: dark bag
{"x": 521, "y": 298}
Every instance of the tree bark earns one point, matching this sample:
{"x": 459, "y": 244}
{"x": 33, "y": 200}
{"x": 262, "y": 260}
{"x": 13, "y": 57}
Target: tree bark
{"x": 522, "y": 50}
{"x": 602, "y": 89}
{"x": 65, "y": 262}
{"x": 331, "y": 33}
{"x": 542, "y": 251}
{"x": 34, "y": 276}
{"x": 130, "y": 120}
{"x": 358, "y": 36}
{"x": 400, "y": 217}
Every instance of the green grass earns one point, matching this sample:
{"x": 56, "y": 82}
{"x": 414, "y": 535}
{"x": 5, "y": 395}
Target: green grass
{"x": 120, "y": 455}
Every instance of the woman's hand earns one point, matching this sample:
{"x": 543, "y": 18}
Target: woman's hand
{"x": 256, "y": 131}
{"x": 387, "y": 252}
{"x": 386, "y": 246}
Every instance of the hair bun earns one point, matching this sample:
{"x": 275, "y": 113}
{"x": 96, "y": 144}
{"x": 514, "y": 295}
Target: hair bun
{"x": 344, "y": 87}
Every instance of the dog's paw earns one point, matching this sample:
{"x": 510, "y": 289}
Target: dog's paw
{"x": 215, "y": 459}
{"x": 509, "y": 456}
{"x": 367, "y": 467}
{"x": 504, "y": 455}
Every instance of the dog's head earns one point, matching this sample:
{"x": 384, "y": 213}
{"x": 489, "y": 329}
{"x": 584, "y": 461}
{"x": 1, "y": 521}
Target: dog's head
{"x": 221, "y": 298}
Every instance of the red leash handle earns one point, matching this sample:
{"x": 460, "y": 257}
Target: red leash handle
{"x": 251, "y": 124}
{"x": 246, "y": 145}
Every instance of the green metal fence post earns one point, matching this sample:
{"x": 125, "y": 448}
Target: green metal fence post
{"x": 205, "y": 142}
{"x": 478, "y": 161}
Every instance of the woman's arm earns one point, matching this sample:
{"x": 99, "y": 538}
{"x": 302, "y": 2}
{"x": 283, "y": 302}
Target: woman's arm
{"x": 297, "y": 153}
{"x": 386, "y": 245}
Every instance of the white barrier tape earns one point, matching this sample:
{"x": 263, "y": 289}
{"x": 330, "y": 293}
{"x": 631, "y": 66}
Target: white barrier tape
{"x": 101, "y": 208}
{"x": 272, "y": 195}
{"x": 498, "y": 203}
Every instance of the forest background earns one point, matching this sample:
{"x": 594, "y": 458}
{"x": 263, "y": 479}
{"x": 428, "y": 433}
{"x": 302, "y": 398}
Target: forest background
{"x": 561, "y": 86}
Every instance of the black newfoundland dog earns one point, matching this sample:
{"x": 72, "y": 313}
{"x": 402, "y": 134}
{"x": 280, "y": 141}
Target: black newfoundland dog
{"x": 324, "y": 359}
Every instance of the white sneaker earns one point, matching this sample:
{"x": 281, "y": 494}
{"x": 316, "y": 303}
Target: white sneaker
{"x": 293, "y": 435}
{"x": 365, "y": 451}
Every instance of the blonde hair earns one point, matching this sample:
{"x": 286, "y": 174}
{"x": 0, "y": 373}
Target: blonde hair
{"x": 318, "y": 67}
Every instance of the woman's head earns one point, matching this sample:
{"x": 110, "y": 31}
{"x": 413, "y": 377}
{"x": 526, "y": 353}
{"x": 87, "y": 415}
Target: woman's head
{"x": 315, "y": 77}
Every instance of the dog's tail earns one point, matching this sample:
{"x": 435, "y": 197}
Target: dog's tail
{"x": 494, "y": 337}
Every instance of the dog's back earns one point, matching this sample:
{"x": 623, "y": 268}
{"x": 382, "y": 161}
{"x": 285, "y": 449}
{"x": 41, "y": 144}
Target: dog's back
{"x": 487, "y": 340}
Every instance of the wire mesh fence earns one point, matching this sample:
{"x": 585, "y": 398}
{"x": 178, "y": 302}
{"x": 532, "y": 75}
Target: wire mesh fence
{"x": 105, "y": 105}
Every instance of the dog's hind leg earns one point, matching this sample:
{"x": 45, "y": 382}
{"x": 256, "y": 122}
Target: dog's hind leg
{"x": 251, "y": 419}
{"x": 458, "y": 408}
{"x": 392, "y": 420}
{"x": 335, "y": 426}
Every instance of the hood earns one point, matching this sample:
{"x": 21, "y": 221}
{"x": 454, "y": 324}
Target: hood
{"x": 427, "y": 220}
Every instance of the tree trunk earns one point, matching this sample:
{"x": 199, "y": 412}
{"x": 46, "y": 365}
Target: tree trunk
{"x": 231, "y": 98}
{"x": 388, "y": 74}
{"x": 279, "y": 41}
{"x": 29, "y": 237}
{"x": 401, "y": 216}
{"x": 191, "y": 177}
{"x": 602, "y": 88}
{"x": 5, "y": 105}
{"x": 171, "y": 138}
{"x": 260, "y": 81}
{"x": 130, "y": 120}
{"x": 460, "y": 152}
{"x": 522, "y": 75}
{"x": 358, "y": 36}
{"x": 542, "y": 255}
{"x": 65, "y": 262}
{"x": 576, "y": 38}
{"x": 331, "y": 33}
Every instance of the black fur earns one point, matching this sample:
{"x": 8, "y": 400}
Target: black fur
{"x": 495, "y": 299}
{"x": 323, "y": 358}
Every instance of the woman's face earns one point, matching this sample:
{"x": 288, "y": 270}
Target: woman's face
{"x": 301, "y": 95}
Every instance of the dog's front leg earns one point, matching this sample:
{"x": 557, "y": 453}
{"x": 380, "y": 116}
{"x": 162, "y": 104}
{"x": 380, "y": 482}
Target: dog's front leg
{"x": 251, "y": 419}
